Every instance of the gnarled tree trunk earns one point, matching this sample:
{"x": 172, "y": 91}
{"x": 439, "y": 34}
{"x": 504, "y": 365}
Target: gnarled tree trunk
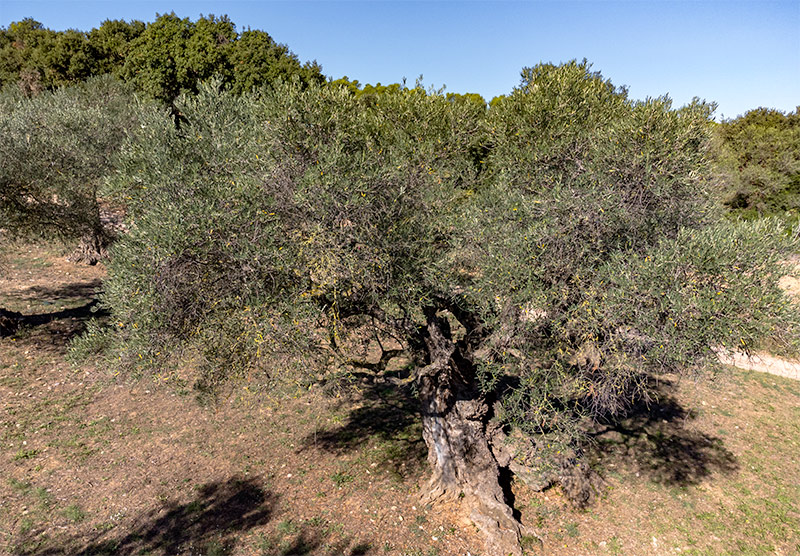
{"x": 455, "y": 418}
{"x": 93, "y": 246}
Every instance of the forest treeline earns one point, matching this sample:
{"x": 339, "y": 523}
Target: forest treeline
{"x": 757, "y": 155}
{"x": 758, "y": 161}
{"x": 524, "y": 267}
{"x": 161, "y": 59}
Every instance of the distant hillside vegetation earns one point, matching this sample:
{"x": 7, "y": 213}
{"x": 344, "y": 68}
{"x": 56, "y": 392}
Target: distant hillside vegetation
{"x": 758, "y": 157}
{"x": 163, "y": 58}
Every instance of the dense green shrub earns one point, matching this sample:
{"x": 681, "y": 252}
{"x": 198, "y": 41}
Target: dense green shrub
{"x": 758, "y": 160}
{"x": 592, "y": 235}
{"x": 56, "y": 150}
{"x": 287, "y": 203}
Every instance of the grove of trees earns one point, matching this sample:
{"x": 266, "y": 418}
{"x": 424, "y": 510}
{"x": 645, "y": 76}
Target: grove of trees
{"x": 162, "y": 59}
{"x": 758, "y": 156}
{"x": 533, "y": 264}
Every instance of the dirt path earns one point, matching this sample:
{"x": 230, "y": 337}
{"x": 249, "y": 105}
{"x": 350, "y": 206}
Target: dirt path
{"x": 763, "y": 363}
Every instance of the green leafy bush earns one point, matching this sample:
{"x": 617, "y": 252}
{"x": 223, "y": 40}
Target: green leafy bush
{"x": 57, "y": 149}
{"x": 279, "y": 208}
{"x": 758, "y": 160}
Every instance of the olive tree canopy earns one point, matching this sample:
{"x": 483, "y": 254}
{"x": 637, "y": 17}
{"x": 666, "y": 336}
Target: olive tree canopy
{"x": 534, "y": 261}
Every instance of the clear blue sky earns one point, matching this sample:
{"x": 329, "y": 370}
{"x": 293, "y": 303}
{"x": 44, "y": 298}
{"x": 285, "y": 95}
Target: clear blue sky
{"x": 739, "y": 54}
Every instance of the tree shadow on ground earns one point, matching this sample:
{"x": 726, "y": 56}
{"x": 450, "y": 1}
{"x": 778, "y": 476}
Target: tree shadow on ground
{"x": 312, "y": 540}
{"x": 85, "y": 289}
{"x": 51, "y": 330}
{"x": 84, "y": 312}
{"x": 383, "y": 414}
{"x": 208, "y": 524}
{"x": 658, "y": 440}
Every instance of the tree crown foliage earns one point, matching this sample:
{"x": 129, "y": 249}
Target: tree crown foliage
{"x": 162, "y": 58}
{"x": 758, "y": 157}
{"x": 565, "y": 233}
{"x": 57, "y": 148}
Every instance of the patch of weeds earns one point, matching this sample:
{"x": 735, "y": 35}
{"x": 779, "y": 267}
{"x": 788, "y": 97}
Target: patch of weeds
{"x": 26, "y": 525}
{"x": 217, "y": 548}
{"x": 74, "y": 513}
{"x": 25, "y": 454}
{"x": 105, "y": 526}
{"x": 287, "y": 527}
{"x": 194, "y": 507}
{"x": 264, "y": 543}
{"x": 334, "y": 528}
{"x": 530, "y": 543}
{"x": 98, "y": 426}
{"x": 35, "y": 263}
{"x": 572, "y": 530}
{"x": 317, "y": 521}
{"x": 45, "y": 498}
{"x": 742, "y": 489}
{"x": 614, "y": 546}
{"x": 18, "y": 485}
{"x": 543, "y": 514}
{"x": 341, "y": 478}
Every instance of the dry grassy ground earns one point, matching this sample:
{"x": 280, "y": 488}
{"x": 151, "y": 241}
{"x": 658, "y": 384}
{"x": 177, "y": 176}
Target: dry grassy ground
{"x": 93, "y": 463}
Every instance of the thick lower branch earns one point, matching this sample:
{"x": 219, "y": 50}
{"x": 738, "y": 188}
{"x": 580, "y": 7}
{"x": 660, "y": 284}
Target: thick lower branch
{"x": 93, "y": 247}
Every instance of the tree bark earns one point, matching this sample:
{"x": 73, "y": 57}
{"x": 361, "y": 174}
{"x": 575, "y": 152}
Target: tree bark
{"x": 92, "y": 248}
{"x": 455, "y": 417}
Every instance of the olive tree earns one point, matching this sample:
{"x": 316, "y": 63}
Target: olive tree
{"x": 56, "y": 150}
{"x": 534, "y": 262}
